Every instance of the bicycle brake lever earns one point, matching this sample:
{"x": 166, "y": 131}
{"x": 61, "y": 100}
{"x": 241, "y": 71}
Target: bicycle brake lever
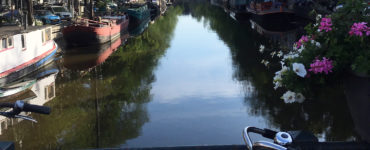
{"x": 25, "y": 118}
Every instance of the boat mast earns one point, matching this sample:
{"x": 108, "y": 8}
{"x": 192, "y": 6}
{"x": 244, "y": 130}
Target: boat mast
{"x": 91, "y": 15}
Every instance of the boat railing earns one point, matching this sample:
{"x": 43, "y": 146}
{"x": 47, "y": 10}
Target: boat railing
{"x": 101, "y": 21}
{"x": 88, "y": 22}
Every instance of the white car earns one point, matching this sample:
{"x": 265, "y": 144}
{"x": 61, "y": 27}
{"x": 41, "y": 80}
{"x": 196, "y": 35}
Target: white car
{"x": 61, "y": 11}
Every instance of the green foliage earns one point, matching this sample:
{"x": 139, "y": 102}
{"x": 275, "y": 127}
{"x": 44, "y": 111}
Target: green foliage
{"x": 338, "y": 45}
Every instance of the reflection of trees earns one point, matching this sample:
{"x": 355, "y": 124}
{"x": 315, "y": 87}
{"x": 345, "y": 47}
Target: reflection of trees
{"x": 325, "y": 111}
{"x": 118, "y": 90}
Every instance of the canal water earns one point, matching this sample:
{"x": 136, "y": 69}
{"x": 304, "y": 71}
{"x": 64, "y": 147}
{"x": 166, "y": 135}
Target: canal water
{"x": 193, "y": 77}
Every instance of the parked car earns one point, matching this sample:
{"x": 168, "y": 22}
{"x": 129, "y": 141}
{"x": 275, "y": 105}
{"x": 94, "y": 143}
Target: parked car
{"x": 61, "y": 11}
{"x": 47, "y": 17}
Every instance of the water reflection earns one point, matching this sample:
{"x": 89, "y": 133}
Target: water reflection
{"x": 99, "y": 105}
{"x": 40, "y": 93}
{"x": 195, "y": 100}
{"x": 197, "y": 73}
{"x": 88, "y": 57}
{"x": 282, "y": 36}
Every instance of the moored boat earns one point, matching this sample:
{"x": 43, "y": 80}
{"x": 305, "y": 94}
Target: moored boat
{"x": 139, "y": 14}
{"x": 90, "y": 32}
{"x": 24, "y": 51}
{"x": 265, "y": 7}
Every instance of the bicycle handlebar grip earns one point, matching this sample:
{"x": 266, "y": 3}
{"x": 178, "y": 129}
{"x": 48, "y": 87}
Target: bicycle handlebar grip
{"x": 36, "y": 108}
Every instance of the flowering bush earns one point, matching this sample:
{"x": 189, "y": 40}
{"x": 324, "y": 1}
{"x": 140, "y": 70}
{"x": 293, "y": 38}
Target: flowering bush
{"x": 335, "y": 44}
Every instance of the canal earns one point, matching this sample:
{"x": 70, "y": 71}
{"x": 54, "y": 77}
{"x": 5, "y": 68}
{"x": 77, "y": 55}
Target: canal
{"x": 194, "y": 77}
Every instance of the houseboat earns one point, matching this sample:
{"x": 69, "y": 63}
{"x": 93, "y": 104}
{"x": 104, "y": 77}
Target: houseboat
{"x": 89, "y": 57}
{"x": 139, "y": 15}
{"x": 91, "y": 32}
{"x": 265, "y": 7}
{"x": 24, "y": 51}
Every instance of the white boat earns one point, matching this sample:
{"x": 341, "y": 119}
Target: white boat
{"x": 24, "y": 51}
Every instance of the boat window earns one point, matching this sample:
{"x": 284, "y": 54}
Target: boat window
{"x": 3, "y": 43}
{"x": 10, "y": 41}
{"x": 48, "y": 34}
{"x": 50, "y": 91}
{"x": 42, "y": 36}
{"x": 23, "y": 39}
{"x": 3, "y": 124}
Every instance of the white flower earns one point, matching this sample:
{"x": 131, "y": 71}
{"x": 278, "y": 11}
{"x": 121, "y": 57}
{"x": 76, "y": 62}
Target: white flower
{"x": 278, "y": 77}
{"x": 291, "y": 55}
{"x": 318, "y": 17}
{"x": 284, "y": 69}
{"x": 265, "y": 62}
{"x": 316, "y": 24}
{"x": 289, "y": 97}
{"x": 277, "y": 84}
{"x": 300, "y": 49}
{"x": 272, "y": 54}
{"x": 277, "y": 80}
{"x": 299, "y": 98}
{"x": 299, "y": 69}
{"x": 280, "y": 53}
{"x": 262, "y": 48}
{"x": 318, "y": 44}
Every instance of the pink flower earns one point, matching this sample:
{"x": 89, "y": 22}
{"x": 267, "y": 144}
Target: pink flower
{"x": 358, "y": 29}
{"x": 301, "y": 41}
{"x": 325, "y": 24}
{"x": 319, "y": 66}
